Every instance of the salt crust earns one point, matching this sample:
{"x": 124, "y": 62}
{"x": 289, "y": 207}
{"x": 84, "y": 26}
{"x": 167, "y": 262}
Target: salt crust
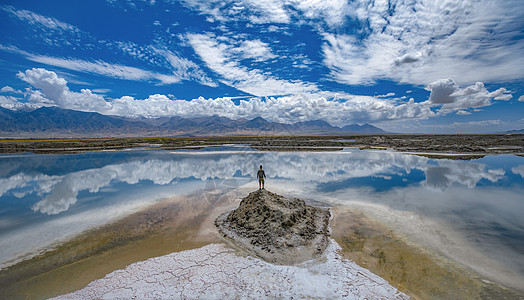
{"x": 218, "y": 272}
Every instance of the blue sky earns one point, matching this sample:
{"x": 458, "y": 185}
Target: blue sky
{"x": 405, "y": 66}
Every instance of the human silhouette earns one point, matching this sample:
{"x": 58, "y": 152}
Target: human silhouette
{"x": 261, "y": 175}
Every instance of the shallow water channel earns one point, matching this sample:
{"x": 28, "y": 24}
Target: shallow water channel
{"x": 465, "y": 213}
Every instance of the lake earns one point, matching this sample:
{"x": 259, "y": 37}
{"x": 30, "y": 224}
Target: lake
{"x": 467, "y": 211}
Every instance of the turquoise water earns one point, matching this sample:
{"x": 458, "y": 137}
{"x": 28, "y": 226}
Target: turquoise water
{"x": 469, "y": 211}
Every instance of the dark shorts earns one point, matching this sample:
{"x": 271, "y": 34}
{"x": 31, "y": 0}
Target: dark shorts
{"x": 261, "y": 180}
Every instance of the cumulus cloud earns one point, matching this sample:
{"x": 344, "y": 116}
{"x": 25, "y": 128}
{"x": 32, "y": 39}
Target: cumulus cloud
{"x": 54, "y": 91}
{"x": 286, "y": 109}
{"x": 441, "y": 91}
{"x": 447, "y": 93}
{"x": 337, "y": 108}
{"x": 219, "y": 58}
{"x": 521, "y": 98}
{"x": 13, "y": 103}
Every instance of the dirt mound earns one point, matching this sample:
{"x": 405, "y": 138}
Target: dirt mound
{"x": 277, "y": 229}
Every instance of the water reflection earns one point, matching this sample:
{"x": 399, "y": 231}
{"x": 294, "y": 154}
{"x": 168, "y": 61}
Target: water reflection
{"x": 518, "y": 170}
{"x": 45, "y": 198}
{"x": 447, "y": 172}
{"x": 337, "y": 170}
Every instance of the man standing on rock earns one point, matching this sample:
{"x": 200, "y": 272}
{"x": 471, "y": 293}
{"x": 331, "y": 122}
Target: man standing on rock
{"x": 261, "y": 175}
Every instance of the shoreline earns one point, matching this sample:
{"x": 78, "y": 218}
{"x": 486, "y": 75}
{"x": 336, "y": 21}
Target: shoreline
{"x": 371, "y": 245}
{"x": 175, "y": 224}
{"x": 456, "y": 146}
{"x": 409, "y": 267}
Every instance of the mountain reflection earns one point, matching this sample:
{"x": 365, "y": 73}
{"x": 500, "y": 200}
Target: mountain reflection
{"x": 57, "y": 193}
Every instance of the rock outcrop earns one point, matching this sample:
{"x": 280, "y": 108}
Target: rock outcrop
{"x": 277, "y": 229}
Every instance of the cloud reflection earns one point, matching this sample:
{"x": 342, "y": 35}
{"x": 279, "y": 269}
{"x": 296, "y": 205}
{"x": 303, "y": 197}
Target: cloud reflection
{"x": 303, "y": 167}
{"x": 519, "y": 170}
{"x": 447, "y": 172}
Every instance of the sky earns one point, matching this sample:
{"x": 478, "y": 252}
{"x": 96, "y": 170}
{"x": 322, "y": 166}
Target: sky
{"x": 408, "y": 66}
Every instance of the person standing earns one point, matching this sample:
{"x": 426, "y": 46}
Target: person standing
{"x": 261, "y": 175}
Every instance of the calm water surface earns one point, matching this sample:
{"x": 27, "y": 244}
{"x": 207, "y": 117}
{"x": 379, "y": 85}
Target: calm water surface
{"x": 468, "y": 211}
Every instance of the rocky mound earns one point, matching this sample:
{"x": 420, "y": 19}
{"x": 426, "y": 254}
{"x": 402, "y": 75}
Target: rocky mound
{"x": 277, "y": 229}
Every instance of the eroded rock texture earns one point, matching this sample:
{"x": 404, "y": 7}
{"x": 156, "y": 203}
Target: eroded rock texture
{"x": 277, "y": 229}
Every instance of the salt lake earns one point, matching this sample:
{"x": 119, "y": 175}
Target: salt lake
{"x": 467, "y": 211}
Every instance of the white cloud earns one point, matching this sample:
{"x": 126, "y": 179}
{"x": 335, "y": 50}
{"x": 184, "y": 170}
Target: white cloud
{"x": 106, "y": 69}
{"x": 519, "y": 170}
{"x": 463, "y": 113}
{"x": 447, "y": 93}
{"x": 7, "y": 89}
{"x": 337, "y": 108}
{"x": 13, "y": 103}
{"x": 521, "y": 98}
{"x": 101, "y": 91}
{"x": 441, "y": 91}
{"x": 54, "y": 91}
{"x": 256, "y": 11}
{"x": 39, "y": 20}
{"x": 386, "y": 95}
{"x": 333, "y": 13}
{"x": 408, "y": 58}
{"x": 185, "y": 69}
{"x": 286, "y": 109}
{"x": 180, "y": 68}
{"x": 220, "y": 58}
{"x": 255, "y": 49}
{"x": 447, "y": 172}
{"x": 419, "y": 42}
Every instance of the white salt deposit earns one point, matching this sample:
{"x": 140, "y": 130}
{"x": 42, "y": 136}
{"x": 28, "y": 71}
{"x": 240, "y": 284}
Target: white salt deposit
{"x": 217, "y": 272}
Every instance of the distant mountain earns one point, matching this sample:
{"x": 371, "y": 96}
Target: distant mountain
{"x": 58, "y": 122}
{"x": 365, "y": 128}
{"x": 54, "y": 121}
{"x": 515, "y": 131}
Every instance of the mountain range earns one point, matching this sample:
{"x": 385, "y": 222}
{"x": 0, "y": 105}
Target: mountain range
{"x": 58, "y": 122}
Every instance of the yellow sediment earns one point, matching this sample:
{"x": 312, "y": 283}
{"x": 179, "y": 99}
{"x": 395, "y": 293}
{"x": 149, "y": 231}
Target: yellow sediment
{"x": 411, "y": 269}
{"x": 176, "y": 224}
{"x": 187, "y": 222}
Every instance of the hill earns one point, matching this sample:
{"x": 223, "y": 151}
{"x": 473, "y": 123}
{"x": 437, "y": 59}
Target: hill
{"x": 58, "y": 122}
